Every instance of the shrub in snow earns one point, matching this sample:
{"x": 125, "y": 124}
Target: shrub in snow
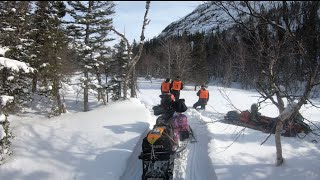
{"x": 5, "y": 136}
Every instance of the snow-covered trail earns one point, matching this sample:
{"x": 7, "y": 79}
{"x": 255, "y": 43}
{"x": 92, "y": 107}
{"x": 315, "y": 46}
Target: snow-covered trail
{"x": 194, "y": 162}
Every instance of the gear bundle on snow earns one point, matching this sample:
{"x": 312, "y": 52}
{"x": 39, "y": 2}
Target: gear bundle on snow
{"x": 255, "y": 120}
{"x": 169, "y": 136}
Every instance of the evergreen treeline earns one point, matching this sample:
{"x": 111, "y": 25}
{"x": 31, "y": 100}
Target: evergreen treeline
{"x": 60, "y": 39}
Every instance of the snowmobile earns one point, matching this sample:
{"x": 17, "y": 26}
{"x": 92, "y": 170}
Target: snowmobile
{"x": 165, "y": 140}
{"x": 158, "y": 153}
{"x": 159, "y": 150}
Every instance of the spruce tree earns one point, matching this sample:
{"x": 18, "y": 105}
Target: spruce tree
{"x": 90, "y": 27}
{"x": 14, "y": 36}
{"x": 200, "y": 65}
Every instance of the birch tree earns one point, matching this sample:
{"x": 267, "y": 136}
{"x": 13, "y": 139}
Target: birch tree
{"x": 290, "y": 38}
{"x": 133, "y": 60}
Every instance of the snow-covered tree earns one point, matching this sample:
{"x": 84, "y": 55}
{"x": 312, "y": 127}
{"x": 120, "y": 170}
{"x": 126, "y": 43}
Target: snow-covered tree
{"x": 15, "y": 37}
{"x": 89, "y": 29}
{"x": 49, "y": 51}
{"x": 8, "y": 97}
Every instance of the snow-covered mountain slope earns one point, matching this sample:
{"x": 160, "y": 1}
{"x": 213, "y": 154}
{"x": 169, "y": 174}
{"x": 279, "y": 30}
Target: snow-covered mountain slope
{"x": 204, "y": 18}
{"x": 213, "y": 16}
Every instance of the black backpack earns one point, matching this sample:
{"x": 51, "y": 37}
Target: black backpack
{"x": 180, "y": 106}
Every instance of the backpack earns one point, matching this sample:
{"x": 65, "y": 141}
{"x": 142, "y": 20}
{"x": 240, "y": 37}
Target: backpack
{"x": 232, "y": 116}
{"x": 180, "y": 106}
{"x": 245, "y": 116}
{"x": 180, "y": 127}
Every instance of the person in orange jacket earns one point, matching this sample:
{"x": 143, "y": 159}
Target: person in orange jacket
{"x": 165, "y": 86}
{"x": 176, "y": 87}
{"x": 203, "y": 94}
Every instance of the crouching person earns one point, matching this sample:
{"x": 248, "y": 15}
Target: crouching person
{"x": 203, "y": 94}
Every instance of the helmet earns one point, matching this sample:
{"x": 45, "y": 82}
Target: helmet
{"x": 254, "y": 107}
{"x": 168, "y": 79}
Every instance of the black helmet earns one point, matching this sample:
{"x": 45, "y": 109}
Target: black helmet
{"x": 254, "y": 107}
{"x": 203, "y": 86}
{"x": 168, "y": 79}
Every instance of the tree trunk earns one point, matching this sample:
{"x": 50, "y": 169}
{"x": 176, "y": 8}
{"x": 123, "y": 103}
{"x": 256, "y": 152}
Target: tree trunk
{"x": 34, "y": 82}
{"x": 56, "y": 94}
{"x": 100, "y": 90}
{"x": 99, "y": 83}
{"x": 278, "y": 143}
{"x": 85, "y": 92}
{"x": 133, "y": 83}
{"x": 4, "y": 77}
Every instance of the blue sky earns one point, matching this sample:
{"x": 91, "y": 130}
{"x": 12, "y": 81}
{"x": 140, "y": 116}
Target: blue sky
{"x": 128, "y": 16}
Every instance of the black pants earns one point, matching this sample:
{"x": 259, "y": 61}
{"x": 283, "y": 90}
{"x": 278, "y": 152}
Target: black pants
{"x": 163, "y": 92}
{"x": 176, "y": 94}
{"x": 201, "y": 102}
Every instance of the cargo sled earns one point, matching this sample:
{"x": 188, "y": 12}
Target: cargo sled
{"x": 254, "y": 120}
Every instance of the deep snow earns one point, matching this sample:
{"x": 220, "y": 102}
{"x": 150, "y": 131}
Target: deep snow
{"x": 104, "y": 143}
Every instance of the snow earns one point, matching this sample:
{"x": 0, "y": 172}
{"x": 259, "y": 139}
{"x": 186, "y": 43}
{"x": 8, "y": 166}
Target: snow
{"x": 208, "y": 17}
{"x": 2, "y": 133}
{"x": 4, "y": 100}
{"x": 2, "y": 117}
{"x": 3, "y": 50}
{"x": 14, "y": 65}
{"x": 104, "y": 143}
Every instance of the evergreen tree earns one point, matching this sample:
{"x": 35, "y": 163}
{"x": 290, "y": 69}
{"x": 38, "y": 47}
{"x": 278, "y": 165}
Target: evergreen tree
{"x": 50, "y": 48}
{"x": 14, "y": 35}
{"x": 200, "y": 65}
{"x": 90, "y": 26}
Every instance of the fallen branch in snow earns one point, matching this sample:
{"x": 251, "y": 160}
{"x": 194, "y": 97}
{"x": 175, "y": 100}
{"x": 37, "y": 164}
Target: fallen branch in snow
{"x": 273, "y": 127}
{"x": 226, "y": 97}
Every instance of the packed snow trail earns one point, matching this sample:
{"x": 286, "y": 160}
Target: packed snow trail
{"x": 193, "y": 163}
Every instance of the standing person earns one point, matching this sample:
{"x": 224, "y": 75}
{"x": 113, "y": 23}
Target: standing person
{"x": 176, "y": 87}
{"x": 165, "y": 86}
{"x": 203, "y": 94}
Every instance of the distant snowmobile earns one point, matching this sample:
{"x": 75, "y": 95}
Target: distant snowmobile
{"x": 170, "y": 135}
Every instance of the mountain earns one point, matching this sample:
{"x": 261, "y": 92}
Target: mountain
{"x": 203, "y": 18}
{"x": 208, "y": 17}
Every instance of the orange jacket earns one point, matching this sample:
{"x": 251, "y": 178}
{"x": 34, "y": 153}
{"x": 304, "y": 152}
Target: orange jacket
{"x": 165, "y": 87}
{"x": 177, "y": 85}
{"x": 203, "y": 94}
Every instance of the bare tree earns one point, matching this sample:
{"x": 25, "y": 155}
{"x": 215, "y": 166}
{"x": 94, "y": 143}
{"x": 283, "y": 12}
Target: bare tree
{"x": 177, "y": 53}
{"x": 281, "y": 42}
{"x": 132, "y": 61}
